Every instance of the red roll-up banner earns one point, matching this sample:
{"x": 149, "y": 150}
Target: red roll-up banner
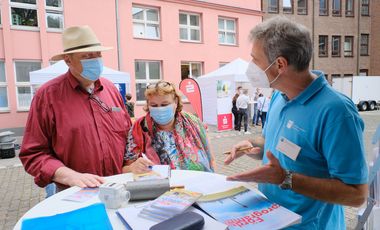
{"x": 190, "y": 89}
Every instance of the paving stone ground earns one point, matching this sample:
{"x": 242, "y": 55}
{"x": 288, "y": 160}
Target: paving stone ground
{"x": 18, "y": 193}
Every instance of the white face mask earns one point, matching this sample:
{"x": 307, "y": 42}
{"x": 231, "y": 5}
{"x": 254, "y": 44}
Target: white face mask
{"x": 257, "y": 77}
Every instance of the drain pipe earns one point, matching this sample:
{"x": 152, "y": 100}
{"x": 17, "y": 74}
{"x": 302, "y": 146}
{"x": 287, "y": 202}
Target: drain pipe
{"x": 313, "y": 34}
{"x": 358, "y": 41}
{"x": 118, "y": 35}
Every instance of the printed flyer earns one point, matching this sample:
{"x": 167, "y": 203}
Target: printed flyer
{"x": 242, "y": 208}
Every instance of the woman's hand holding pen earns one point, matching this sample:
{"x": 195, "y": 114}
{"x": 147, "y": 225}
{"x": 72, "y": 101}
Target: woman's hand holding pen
{"x": 141, "y": 165}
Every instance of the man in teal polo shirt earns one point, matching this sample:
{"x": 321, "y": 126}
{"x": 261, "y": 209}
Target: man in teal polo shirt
{"x": 314, "y": 161}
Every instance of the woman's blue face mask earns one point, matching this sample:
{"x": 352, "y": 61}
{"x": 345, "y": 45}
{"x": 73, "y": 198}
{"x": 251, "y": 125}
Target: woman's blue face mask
{"x": 92, "y": 68}
{"x": 162, "y": 115}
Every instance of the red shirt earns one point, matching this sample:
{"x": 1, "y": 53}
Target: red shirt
{"x": 66, "y": 127}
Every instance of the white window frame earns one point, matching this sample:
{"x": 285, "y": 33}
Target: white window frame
{"x": 190, "y": 63}
{"x": 54, "y": 10}
{"x": 286, "y": 9}
{"x": 23, "y": 6}
{"x": 145, "y": 22}
{"x": 147, "y": 79}
{"x": 189, "y": 27}
{"x": 226, "y": 31}
{"x": 23, "y": 84}
{"x": 351, "y": 47}
{"x": 4, "y": 84}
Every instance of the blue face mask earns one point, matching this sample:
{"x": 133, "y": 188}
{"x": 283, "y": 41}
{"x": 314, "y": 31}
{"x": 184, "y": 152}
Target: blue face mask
{"x": 162, "y": 115}
{"x": 92, "y": 68}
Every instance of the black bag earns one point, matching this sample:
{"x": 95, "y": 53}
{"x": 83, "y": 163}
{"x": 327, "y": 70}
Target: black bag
{"x": 183, "y": 221}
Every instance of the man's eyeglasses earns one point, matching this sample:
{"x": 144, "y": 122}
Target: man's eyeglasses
{"x": 102, "y": 105}
{"x": 160, "y": 84}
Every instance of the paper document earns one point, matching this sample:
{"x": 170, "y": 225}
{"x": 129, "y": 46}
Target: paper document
{"x": 82, "y": 195}
{"x": 241, "y": 208}
{"x": 157, "y": 172}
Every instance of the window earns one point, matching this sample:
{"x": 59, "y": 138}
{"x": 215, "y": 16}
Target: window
{"x": 349, "y": 8}
{"x": 227, "y": 31}
{"x": 23, "y": 87}
{"x": 363, "y": 72}
{"x": 335, "y": 49}
{"x": 348, "y": 75}
{"x": 336, "y": 7}
{"x": 335, "y": 75}
{"x": 146, "y": 22}
{"x": 348, "y": 46}
{"x": 323, "y": 7}
{"x": 287, "y": 6}
{"x": 189, "y": 27}
{"x": 54, "y": 14}
{"x": 364, "y": 40}
{"x": 323, "y": 46}
{"x": 191, "y": 69}
{"x": 3, "y": 88}
{"x": 146, "y": 72}
{"x": 24, "y": 13}
{"x": 272, "y": 6}
{"x": 302, "y": 7}
{"x": 365, "y": 7}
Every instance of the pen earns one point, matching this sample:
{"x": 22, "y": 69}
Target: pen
{"x": 177, "y": 187}
{"x": 144, "y": 156}
{"x": 239, "y": 150}
{"x": 127, "y": 226}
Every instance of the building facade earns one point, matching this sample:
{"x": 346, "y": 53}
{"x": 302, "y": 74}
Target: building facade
{"x": 345, "y": 33}
{"x": 152, "y": 40}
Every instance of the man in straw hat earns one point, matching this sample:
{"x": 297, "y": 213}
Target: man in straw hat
{"x": 77, "y": 125}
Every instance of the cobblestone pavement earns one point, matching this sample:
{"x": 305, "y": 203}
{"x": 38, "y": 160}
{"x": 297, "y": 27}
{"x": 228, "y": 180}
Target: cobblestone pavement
{"x": 18, "y": 193}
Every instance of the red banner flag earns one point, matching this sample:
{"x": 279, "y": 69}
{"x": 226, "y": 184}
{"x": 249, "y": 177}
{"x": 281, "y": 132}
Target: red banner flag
{"x": 190, "y": 89}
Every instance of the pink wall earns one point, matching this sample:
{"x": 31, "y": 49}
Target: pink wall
{"x": 171, "y": 51}
{"x": 100, "y": 15}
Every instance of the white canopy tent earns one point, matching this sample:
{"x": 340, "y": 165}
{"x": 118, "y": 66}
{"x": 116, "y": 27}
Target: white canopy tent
{"x": 120, "y": 79}
{"x": 233, "y": 72}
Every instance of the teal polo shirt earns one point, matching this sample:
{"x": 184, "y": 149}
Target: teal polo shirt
{"x": 326, "y": 126}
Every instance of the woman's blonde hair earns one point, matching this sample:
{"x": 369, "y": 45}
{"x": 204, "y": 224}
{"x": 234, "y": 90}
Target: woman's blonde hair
{"x": 163, "y": 88}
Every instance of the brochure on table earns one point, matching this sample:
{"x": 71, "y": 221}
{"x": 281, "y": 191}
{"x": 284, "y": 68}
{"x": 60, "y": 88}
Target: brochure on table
{"x": 131, "y": 216}
{"x": 242, "y": 208}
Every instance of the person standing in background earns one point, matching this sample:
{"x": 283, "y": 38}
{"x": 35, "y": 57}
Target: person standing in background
{"x": 129, "y": 105}
{"x": 242, "y": 106}
{"x": 263, "y": 105}
{"x": 255, "y": 118}
{"x": 234, "y": 110}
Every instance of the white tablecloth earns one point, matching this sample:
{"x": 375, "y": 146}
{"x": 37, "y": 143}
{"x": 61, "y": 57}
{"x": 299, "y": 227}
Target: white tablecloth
{"x": 202, "y": 182}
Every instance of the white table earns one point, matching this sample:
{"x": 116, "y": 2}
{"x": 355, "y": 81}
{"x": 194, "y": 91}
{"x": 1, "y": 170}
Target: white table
{"x": 202, "y": 182}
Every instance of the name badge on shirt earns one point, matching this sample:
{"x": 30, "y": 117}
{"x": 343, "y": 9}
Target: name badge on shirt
{"x": 116, "y": 109}
{"x": 288, "y": 148}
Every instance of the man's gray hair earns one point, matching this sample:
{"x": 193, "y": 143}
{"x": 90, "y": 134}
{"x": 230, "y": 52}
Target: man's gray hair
{"x": 282, "y": 37}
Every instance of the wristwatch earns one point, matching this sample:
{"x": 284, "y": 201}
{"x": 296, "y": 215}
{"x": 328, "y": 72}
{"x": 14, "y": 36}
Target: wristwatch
{"x": 287, "y": 183}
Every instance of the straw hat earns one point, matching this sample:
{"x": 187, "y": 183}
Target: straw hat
{"x": 79, "y": 39}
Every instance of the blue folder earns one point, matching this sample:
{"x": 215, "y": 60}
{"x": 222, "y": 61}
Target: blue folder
{"x": 92, "y": 217}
